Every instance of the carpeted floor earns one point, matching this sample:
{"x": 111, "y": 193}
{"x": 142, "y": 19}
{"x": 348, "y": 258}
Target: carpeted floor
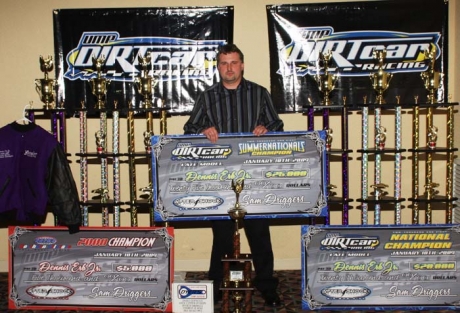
{"x": 289, "y": 289}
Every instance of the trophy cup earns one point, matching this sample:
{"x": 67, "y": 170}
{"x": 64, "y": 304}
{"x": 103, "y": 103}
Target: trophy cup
{"x": 380, "y": 79}
{"x": 45, "y": 86}
{"x": 237, "y": 267}
{"x": 431, "y": 78}
{"x": 326, "y": 81}
{"x": 99, "y": 84}
{"x": 145, "y": 84}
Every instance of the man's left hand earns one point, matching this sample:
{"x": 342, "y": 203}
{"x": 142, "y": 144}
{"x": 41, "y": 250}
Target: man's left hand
{"x": 260, "y": 130}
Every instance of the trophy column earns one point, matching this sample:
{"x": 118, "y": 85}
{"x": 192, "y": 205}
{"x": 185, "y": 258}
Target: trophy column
{"x": 326, "y": 84}
{"x": 380, "y": 82}
{"x": 237, "y": 283}
{"x": 99, "y": 88}
{"x": 431, "y": 197}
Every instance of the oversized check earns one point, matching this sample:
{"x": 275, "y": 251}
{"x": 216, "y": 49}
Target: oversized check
{"x": 283, "y": 175}
{"x": 98, "y": 268}
{"x": 385, "y": 267}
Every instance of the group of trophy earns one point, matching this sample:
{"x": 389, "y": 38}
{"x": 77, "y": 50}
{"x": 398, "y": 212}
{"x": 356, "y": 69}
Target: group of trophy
{"x": 380, "y": 81}
{"x": 45, "y": 86}
{"x": 99, "y": 84}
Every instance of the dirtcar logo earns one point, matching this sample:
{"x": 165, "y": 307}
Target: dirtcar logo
{"x": 352, "y": 242}
{"x": 200, "y": 152}
{"x": 352, "y": 51}
{"x": 171, "y": 58}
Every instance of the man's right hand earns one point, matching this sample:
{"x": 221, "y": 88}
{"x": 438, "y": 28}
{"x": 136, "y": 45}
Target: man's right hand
{"x": 211, "y": 133}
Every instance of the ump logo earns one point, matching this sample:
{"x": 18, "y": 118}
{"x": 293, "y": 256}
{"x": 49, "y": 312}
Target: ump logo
{"x": 346, "y": 292}
{"x": 50, "y": 292}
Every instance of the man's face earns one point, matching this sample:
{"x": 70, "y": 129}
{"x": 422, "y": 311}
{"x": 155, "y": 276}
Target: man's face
{"x": 230, "y": 68}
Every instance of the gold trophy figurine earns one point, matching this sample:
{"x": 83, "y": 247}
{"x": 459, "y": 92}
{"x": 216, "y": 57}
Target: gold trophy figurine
{"x": 379, "y": 190}
{"x": 328, "y": 138}
{"x": 432, "y": 137}
{"x": 326, "y": 81}
{"x": 99, "y": 84}
{"x": 45, "y": 86}
{"x": 237, "y": 212}
{"x": 380, "y": 79}
{"x": 145, "y": 83}
{"x": 381, "y": 137}
{"x": 431, "y": 78}
{"x": 100, "y": 141}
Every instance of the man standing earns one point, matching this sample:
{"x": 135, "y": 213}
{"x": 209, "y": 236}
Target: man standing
{"x": 236, "y": 105}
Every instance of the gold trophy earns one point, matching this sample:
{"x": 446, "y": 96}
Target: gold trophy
{"x": 381, "y": 137}
{"x": 237, "y": 280}
{"x": 430, "y": 190}
{"x": 328, "y": 138}
{"x": 100, "y": 141}
{"x": 431, "y": 78}
{"x": 380, "y": 79}
{"x": 145, "y": 84}
{"x": 326, "y": 81}
{"x": 432, "y": 137}
{"x": 379, "y": 190}
{"x": 99, "y": 84}
{"x": 45, "y": 86}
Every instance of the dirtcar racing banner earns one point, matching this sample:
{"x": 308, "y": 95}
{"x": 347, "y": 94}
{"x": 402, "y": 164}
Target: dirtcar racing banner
{"x": 122, "y": 269}
{"x": 351, "y": 31}
{"x": 377, "y": 268}
{"x": 182, "y": 43}
{"x": 283, "y": 175}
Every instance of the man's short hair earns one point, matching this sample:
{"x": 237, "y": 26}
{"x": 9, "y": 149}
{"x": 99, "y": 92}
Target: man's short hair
{"x": 229, "y": 48}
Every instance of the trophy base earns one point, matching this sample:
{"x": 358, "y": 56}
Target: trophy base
{"x": 48, "y": 106}
{"x": 237, "y": 285}
{"x": 100, "y": 106}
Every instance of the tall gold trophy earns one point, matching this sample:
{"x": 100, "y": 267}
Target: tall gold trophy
{"x": 237, "y": 282}
{"x": 45, "y": 86}
{"x": 145, "y": 83}
{"x": 380, "y": 79}
{"x": 99, "y": 84}
{"x": 430, "y": 77}
{"x": 326, "y": 81}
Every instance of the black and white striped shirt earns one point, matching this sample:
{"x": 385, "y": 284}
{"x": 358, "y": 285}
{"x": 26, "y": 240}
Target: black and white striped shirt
{"x": 233, "y": 111}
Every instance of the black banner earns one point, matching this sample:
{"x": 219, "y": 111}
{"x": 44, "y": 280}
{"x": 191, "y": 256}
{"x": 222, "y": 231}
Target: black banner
{"x": 351, "y": 31}
{"x": 182, "y": 43}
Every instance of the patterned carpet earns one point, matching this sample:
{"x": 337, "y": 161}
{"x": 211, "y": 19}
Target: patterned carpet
{"x": 289, "y": 289}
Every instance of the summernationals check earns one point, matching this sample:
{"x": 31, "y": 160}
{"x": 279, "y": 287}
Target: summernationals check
{"x": 385, "y": 267}
{"x": 283, "y": 175}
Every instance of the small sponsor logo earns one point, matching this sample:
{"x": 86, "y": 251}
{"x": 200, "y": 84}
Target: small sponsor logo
{"x": 50, "y": 292}
{"x": 45, "y": 240}
{"x": 192, "y": 292}
{"x": 198, "y": 202}
{"x": 345, "y": 292}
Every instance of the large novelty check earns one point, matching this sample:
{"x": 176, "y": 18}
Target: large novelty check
{"x": 283, "y": 175}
